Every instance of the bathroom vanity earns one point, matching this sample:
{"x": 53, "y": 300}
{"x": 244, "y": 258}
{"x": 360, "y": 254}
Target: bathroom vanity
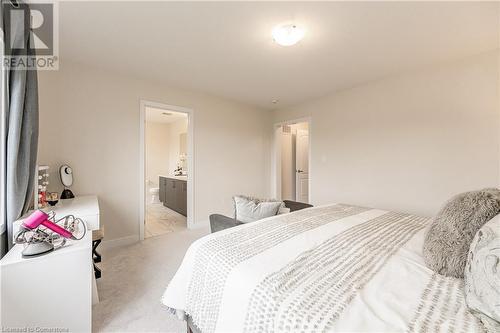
{"x": 173, "y": 193}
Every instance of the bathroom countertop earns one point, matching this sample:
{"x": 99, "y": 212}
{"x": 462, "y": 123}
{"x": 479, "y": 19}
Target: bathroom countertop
{"x": 175, "y": 177}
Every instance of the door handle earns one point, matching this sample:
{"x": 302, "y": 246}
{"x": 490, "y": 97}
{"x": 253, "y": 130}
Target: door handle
{"x": 300, "y": 171}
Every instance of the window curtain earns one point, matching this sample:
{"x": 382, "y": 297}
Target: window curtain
{"x": 20, "y": 117}
{"x": 3, "y": 233}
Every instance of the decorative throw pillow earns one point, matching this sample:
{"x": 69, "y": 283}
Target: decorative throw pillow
{"x": 283, "y": 210}
{"x": 450, "y": 234}
{"x": 482, "y": 275}
{"x": 248, "y": 209}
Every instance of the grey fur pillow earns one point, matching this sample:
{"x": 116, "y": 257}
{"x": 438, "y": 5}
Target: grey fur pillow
{"x": 448, "y": 239}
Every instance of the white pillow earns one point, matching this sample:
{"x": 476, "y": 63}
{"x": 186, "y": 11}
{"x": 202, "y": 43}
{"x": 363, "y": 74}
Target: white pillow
{"x": 283, "y": 210}
{"x": 482, "y": 275}
{"x": 250, "y": 210}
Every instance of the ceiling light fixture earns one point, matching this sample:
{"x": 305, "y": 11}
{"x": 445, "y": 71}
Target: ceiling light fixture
{"x": 287, "y": 34}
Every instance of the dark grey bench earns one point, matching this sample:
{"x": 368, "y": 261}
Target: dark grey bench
{"x": 220, "y": 222}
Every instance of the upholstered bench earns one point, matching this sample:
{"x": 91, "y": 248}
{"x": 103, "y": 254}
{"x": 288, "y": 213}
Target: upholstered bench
{"x": 220, "y": 222}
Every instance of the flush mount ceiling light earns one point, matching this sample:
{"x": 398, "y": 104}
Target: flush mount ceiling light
{"x": 287, "y": 34}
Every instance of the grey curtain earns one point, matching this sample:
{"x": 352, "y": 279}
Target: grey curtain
{"x": 21, "y": 121}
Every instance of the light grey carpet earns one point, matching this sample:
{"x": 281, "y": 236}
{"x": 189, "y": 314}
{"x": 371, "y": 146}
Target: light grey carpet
{"x": 133, "y": 280}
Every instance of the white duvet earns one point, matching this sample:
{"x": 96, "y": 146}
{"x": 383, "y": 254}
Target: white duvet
{"x": 335, "y": 268}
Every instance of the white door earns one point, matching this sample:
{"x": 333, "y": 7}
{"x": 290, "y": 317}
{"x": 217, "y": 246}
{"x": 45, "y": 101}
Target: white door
{"x": 287, "y": 167}
{"x": 302, "y": 166}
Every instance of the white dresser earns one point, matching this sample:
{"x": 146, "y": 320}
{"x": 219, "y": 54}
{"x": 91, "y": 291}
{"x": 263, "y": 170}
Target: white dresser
{"x": 52, "y": 291}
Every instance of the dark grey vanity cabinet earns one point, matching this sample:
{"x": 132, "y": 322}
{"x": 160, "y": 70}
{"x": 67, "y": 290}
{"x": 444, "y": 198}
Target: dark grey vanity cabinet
{"x": 181, "y": 197}
{"x": 173, "y": 194}
{"x": 162, "y": 193}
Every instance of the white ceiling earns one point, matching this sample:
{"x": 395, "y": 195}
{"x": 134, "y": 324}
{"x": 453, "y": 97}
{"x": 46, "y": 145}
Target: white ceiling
{"x": 154, "y": 115}
{"x": 225, "y": 48}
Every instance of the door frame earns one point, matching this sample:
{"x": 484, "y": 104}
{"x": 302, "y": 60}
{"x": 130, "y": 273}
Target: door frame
{"x": 276, "y": 156}
{"x": 142, "y": 160}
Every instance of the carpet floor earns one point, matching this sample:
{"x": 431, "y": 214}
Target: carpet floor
{"x": 133, "y": 280}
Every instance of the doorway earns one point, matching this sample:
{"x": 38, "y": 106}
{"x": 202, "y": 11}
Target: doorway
{"x": 166, "y": 169}
{"x": 292, "y": 161}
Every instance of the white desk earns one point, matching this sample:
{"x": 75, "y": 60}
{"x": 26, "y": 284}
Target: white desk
{"x": 53, "y": 290}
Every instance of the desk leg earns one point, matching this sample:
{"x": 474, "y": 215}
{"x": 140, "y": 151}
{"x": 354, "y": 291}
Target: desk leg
{"x": 95, "y": 295}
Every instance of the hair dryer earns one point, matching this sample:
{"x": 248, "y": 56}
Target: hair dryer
{"x": 38, "y": 218}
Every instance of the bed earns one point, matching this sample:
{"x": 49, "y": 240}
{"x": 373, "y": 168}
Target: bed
{"x": 332, "y": 268}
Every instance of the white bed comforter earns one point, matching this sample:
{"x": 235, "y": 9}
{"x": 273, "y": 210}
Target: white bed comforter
{"x": 335, "y": 268}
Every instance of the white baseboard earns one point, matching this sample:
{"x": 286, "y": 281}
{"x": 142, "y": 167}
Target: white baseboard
{"x": 112, "y": 243}
{"x": 200, "y": 224}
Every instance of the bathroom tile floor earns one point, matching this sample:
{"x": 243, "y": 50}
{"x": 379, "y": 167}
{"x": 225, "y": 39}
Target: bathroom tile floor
{"x": 161, "y": 220}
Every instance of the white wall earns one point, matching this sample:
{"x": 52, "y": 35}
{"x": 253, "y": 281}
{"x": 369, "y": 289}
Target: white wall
{"x": 89, "y": 118}
{"x": 176, "y": 128}
{"x": 407, "y": 143}
{"x": 157, "y": 151}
